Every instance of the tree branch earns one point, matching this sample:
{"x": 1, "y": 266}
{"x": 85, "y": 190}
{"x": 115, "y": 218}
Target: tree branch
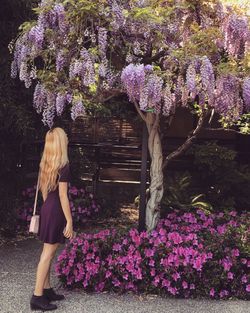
{"x": 154, "y": 58}
{"x": 223, "y": 129}
{"x": 152, "y": 131}
{"x": 188, "y": 141}
{"x": 142, "y": 115}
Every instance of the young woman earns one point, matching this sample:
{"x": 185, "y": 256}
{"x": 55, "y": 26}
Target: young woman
{"x": 55, "y": 216}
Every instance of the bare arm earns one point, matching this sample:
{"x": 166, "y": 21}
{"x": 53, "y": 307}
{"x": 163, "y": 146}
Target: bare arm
{"x": 63, "y": 195}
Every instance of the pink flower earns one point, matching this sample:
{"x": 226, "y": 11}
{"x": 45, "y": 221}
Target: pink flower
{"x": 125, "y": 241}
{"x": 227, "y": 264}
{"x": 172, "y": 290}
{"x": 149, "y": 252}
{"x": 221, "y": 229}
{"x": 151, "y": 262}
{"x": 197, "y": 264}
{"x": 235, "y": 252}
{"x": 210, "y": 255}
{"x": 175, "y": 237}
{"x": 162, "y": 232}
{"x": 230, "y": 275}
{"x": 248, "y": 288}
{"x": 244, "y": 279}
{"x": 125, "y": 276}
{"x": 156, "y": 281}
{"x": 184, "y": 285}
{"x": 117, "y": 247}
{"x": 116, "y": 282}
{"x": 223, "y": 293}
{"x": 192, "y": 286}
{"x": 211, "y": 292}
{"x": 152, "y": 272}
{"x": 165, "y": 283}
{"x": 176, "y": 276}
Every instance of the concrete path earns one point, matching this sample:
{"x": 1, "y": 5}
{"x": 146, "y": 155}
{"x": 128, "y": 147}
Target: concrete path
{"x": 17, "y": 277}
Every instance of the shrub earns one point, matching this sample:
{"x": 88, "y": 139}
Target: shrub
{"x": 82, "y": 204}
{"x": 220, "y": 176}
{"x": 188, "y": 255}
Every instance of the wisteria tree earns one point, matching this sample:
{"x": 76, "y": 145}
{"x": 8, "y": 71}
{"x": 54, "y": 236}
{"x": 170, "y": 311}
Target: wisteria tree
{"x": 163, "y": 54}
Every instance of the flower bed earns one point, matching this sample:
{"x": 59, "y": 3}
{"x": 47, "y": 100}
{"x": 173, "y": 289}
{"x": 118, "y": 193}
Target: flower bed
{"x": 82, "y": 205}
{"x": 188, "y": 255}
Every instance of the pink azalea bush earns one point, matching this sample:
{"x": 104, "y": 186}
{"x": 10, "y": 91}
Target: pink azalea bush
{"x": 82, "y": 204}
{"x": 187, "y": 255}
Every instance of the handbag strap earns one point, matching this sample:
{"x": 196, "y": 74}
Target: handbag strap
{"x": 34, "y": 210}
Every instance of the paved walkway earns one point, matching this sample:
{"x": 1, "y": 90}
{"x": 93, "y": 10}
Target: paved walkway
{"x": 17, "y": 277}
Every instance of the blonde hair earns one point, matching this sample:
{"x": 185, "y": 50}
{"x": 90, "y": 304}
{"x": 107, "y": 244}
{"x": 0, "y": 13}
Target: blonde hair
{"x": 54, "y": 157}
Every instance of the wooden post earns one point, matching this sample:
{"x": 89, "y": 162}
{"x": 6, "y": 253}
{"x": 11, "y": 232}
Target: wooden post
{"x": 143, "y": 185}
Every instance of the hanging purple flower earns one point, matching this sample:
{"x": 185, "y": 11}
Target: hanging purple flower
{"x": 48, "y": 116}
{"x": 207, "y": 78}
{"x": 144, "y": 95}
{"x": 24, "y": 75}
{"x": 75, "y": 68}
{"x": 246, "y": 93}
{"x": 49, "y": 109}
{"x": 154, "y": 84}
{"x": 148, "y": 68}
{"x": 24, "y": 51}
{"x": 39, "y": 97}
{"x": 178, "y": 88}
{"x": 103, "y": 68}
{"x": 13, "y": 72}
{"x": 236, "y": 32}
{"x": 58, "y": 16}
{"x": 151, "y": 93}
{"x": 191, "y": 79}
{"x": 167, "y": 101}
{"x": 117, "y": 11}
{"x": 69, "y": 97}
{"x": 77, "y": 109}
{"x": 227, "y": 101}
{"x": 133, "y": 78}
{"x": 60, "y": 103}
{"x": 60, "y": 61}
{"x": 102, "y": 40}
{"x": 87, "y": 71}
{"x": 36, "y": 35}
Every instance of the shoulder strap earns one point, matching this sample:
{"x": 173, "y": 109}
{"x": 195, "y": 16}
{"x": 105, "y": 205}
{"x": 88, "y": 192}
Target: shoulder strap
{"x": 34, "y": 210}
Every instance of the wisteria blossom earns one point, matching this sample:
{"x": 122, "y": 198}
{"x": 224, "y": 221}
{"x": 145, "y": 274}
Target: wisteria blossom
{"x": 93, "y": 60}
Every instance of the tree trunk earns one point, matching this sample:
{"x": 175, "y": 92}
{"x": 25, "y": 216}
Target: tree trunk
{"x": 156, "y": 171}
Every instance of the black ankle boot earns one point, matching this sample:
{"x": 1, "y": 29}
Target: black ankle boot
{"x": 51, "y": 295}
{"x": 41, "y": 303}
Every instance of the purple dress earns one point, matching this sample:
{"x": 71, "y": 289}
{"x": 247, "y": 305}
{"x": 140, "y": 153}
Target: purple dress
{"x": 52, "y": 219}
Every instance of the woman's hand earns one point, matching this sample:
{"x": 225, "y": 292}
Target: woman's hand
{"x": 68, "y": 230}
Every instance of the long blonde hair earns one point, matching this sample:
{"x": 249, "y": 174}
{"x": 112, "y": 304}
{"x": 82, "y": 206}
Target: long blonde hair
{"x": 54, "y": 157}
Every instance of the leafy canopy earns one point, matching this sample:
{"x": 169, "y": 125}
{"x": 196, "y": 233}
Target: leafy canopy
{"x": 162, "y": 54}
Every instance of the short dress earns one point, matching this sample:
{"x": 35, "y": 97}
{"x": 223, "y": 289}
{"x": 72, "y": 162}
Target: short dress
{"x": 52, "y": 219}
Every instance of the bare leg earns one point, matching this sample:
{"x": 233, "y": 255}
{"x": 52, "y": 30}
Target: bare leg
{"x": 44, "y": 266}
{"x": 47, "y": 279}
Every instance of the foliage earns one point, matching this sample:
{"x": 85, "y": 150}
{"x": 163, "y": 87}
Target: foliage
{"x": 179, "y": 193}
{"x": 188, "y": 255}
{"x": 17, "y": 121}
{"x": 82, "y": 205}
{"x": 217, "y": 181}
{"x": 219, "y": 176}
{"x": 162, "y": 54}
